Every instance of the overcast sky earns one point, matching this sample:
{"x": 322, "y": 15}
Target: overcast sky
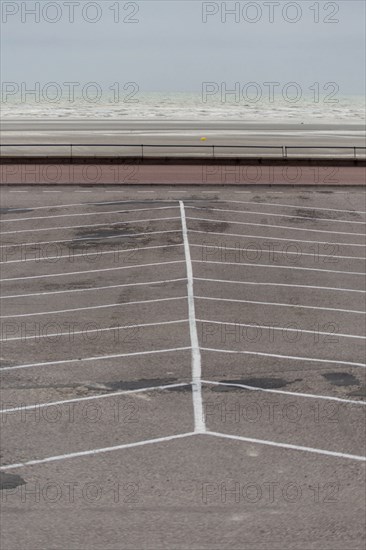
{"x": 170, "y": 48}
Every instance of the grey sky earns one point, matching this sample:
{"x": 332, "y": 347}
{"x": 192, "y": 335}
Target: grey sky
{"x": 171, "y": 49}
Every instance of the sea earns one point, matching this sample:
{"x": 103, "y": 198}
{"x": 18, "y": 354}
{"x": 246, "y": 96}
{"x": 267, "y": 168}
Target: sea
{"x": 161, "y": 106}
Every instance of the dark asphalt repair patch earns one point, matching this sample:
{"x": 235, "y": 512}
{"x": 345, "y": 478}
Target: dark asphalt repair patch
{"x": 212, "y": 226}
{"x": 140, "y": 384}
{"x": 10, "y": 481}
{"x": 341, "y": 379}
{"x": 106, "y": 232}
{"x": 109, "y": 236}
{"x": 314, "y": 214}
{"x": 18, "y": 210}
{"x": 148, "y": 202}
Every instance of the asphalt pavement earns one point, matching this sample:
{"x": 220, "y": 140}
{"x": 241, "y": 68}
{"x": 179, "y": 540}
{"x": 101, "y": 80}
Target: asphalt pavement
{"x": 183, "y": 367}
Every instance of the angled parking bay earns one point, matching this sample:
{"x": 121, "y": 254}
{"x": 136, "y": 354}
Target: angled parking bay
{"x": 222, "y": 484}
{"x": 329, "y": 425}
{"x": 115, "y": 275}
{"x": 303, "y": 295}
{"x": 70, "y": 427}
{"x": 73, "y": 380}
{"x": 63, "y": 262}
{"x": 99, "y": 294}
{"x": 89, "y": 347}
{"x": 271, "y": 372}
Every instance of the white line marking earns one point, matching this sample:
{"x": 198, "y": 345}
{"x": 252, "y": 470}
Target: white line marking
{"x": 93, "y": 307}
{"x": 90, "y": 271}
{"x": 130, "y": 201}
{"x": 52, "y": 216}
{"x": 231, "y": 222}
{"x": 278, "y": 267}
{"x": 92, "y": 289}
{"x": 78, "y": 239}
{"x": 293, "y": 394}
{"x": 269, "y": 214}
{"x": 270, "y": 251}
{"x": 108, "y": 224}
{"x": 287, "y": 329}
{"x": 279, "y": 304}
{"x": 272, "y": 238}
{"x": 71, "y": 256}
{"x": 299, "y": 206}
{"x": 281, "y": 284}
{"x": 89, "y": 204}
{"x": 24, "y": 407}
{"x": 199, "y": 419}
{"x": 97, "y": 358}
{"x": 91, "y": 331}
{"x": 292, "y": 357}
{"x": 93, "y": 452}
{"x": 288, "y": 446}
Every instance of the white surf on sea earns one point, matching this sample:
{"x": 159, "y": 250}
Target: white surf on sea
{"x": 191, "y": 107}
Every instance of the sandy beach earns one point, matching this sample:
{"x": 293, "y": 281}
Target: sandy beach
{"x": 32, "y": 137}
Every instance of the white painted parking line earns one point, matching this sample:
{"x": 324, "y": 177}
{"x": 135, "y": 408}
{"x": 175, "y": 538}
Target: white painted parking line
{"x": 90, "y": 271}
{"x": 88, "y": 204}
{"x": 79, "y": 239}
{"x": 89, "y": 331}
{"x": 86, "y": 255}
{"x": 199, "y": 419}
{"x": 269, "y": 266}
{"x": 108, "y": 224}
{"x": 265, "y": 237}
{"x": 231, "y": 222}
{"x": 298, "y": 206}
{"x": 93, "y": 452}
{"x": 37, "y": 406}
{"x": 288, "y": 446}
{"x": 129, "y": 201}
{"x": 282, "y": 392}
{"x": 104, "y": 306}
{"x": 103, "y": 213}
{"x": 96, "y": 358}
{"x": 291, "y": 357}
{"x": 279, "y": 304}
{"x": 92, "y": 289}
{"x": 286, "y": 329}
{"x": 281, "y": 285}
{"x": 270, "y": 214}
{"x": 222, "y": 247}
